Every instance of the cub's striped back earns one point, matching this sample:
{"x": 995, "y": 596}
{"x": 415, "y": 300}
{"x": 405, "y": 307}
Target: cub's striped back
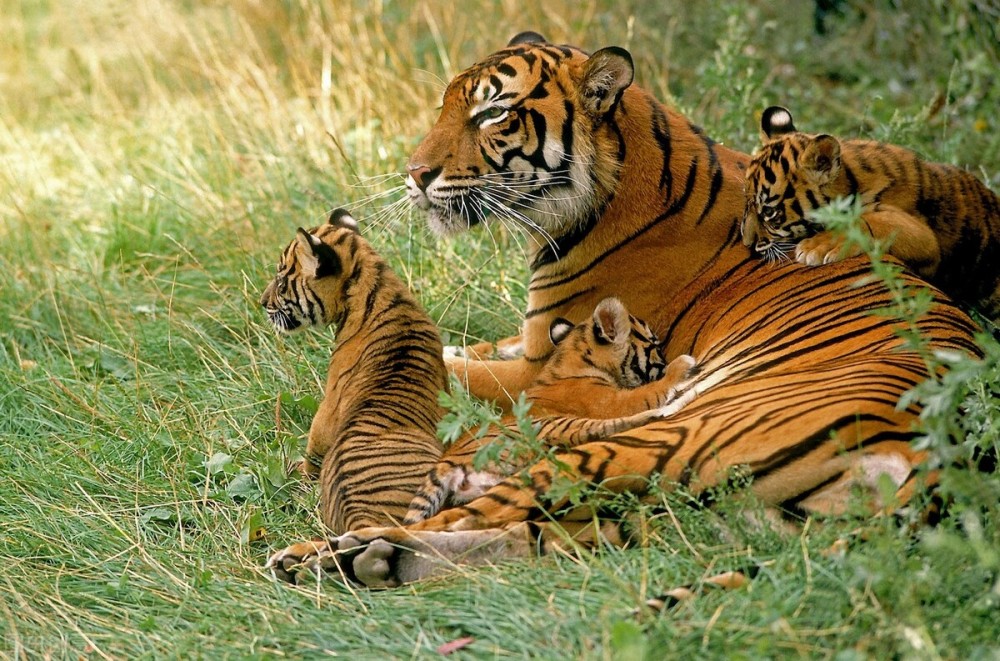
{"x": 373, "y": 437}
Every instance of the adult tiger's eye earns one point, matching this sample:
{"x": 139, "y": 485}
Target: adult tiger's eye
{"x": 493, "y": 112}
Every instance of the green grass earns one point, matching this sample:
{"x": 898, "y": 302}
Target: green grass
{"x": 154, "y": 160}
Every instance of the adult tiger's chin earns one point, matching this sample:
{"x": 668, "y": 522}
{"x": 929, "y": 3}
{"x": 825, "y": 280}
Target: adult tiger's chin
{"x": 448, "y": 216}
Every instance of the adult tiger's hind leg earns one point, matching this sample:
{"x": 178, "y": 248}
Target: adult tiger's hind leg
{"x": 518, "y": 498}
{"x": 492, "y": 527}
{"x": 393, "y": 556}
{"x": 388, "y": 557}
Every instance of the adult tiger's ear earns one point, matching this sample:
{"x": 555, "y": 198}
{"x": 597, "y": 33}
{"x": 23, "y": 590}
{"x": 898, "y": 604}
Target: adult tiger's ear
{"x": 611, "y": 323}
{"x": 317, "y": 258}
{"x": 606, "y": 76}
{"x": 528, "y": 37}
{"x": 775, "y": 121}
{"x": 343, "y": 218}
{"x": 559, "y": 329}
{"x": 821, "y": 158}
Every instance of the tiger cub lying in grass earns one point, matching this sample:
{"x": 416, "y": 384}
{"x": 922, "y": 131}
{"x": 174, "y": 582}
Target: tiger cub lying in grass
{"x": 606, "y": 376}
{"x": 375, "y": 430}
{"x": 943, "y": 223}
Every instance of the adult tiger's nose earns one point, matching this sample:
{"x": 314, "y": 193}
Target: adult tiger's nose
{"x": 423, "y": 175}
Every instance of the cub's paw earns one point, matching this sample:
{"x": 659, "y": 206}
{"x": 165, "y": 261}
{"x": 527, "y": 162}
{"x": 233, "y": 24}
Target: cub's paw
{"x": 503, "y": 350}
{"x": 679, "y": 367}
{"x": 509, "y": 350}
{"x": 824, "y": 248}
{"x": 387, "y": 557}
{"x": 304, "y": 561}
{"x": 451, "y": 351}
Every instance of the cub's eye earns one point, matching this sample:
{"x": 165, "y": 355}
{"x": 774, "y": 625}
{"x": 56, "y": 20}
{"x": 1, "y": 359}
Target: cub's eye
{"x": 769, "y": 213}
{"x": 493, "y": 112}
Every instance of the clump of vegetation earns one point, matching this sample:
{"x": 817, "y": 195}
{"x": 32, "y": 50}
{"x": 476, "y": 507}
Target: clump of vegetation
{"x": 156, "y": 158}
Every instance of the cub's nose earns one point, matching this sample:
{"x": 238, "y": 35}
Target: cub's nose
{"x": 423, "y": 175}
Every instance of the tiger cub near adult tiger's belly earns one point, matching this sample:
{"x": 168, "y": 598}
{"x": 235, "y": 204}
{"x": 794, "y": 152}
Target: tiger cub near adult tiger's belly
{"x": 607, "y": 375}
{"x": 939, "y": 220}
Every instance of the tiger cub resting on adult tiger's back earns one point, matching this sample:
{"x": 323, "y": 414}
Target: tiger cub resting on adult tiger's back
{"x": 375, "y": 430}
{"x": 941, "y": 221}
{"x": 606, "y": 376}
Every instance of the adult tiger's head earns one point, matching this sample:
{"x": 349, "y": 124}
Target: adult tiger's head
{"x": 612, "y": 342}
{"x": 307, "y": 289}
{"x": 791, "y": 175}
{"x": 521, "y": 138}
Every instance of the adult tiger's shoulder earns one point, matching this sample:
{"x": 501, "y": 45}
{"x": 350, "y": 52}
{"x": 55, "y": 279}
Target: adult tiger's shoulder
{"x": 372, "y": 439}
{"x": 938, "y": 219}
{"x": 616, "y": 194}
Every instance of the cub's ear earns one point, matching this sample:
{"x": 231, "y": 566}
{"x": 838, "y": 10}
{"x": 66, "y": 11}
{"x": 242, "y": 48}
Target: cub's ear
{"x": 317, "y": 258}
{"x": 527, "y": 38}
{"x": 822, "y": 158}
{"x": 775, "y": 121}
{"x": 606, "y": 75}
{"x": 559, "y": 329}
{"x": 611, "y": 322}
{"x": 343, "y": 218}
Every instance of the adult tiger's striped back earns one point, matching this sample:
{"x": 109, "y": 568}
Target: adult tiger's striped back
{"x": 797, "y": 380}
{"x": 374, "y": 432}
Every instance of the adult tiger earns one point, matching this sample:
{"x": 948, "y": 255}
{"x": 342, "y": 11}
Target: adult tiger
{"x": 622, "y": 196}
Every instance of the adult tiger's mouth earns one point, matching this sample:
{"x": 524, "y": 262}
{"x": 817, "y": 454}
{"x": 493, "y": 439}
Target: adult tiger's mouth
{"x": 454, "y": 214}
{"x": 282, "y": 321}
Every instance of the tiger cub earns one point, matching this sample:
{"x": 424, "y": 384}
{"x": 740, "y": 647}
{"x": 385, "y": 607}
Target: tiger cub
{"x": 943, "y": 222}
{"x": 375, "y": 430}
{"x": 607, "y": 375}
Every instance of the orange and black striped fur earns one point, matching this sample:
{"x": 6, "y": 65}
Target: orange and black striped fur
{"x": 939, "y": 220}
{"x": 797, "y": 382}
{"x": 374, "y": 432}
{"x": 607, "y": 376}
